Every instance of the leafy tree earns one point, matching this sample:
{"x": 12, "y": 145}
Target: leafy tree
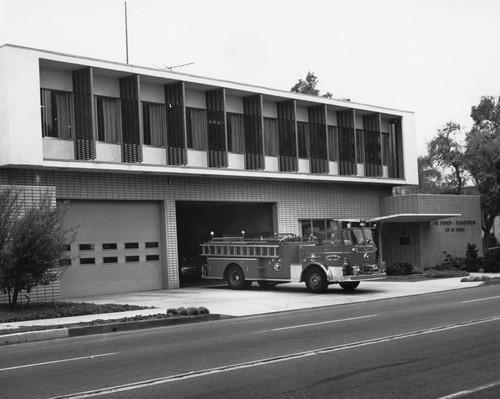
{"x": 308, "y": 86}
{"x": 33, "y": 242}
{"x": 487, "y": 112}
{"x": 481, "y": 160}
{"x": 429, "y": 179}
{"x": 445, "y": 151}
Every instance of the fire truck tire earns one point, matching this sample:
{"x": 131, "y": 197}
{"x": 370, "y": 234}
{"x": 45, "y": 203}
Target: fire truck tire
{"x": 267, "y": 284}
{"x": 316, "y": 280}
{"x": 236, "y": 279}
{"x": 349, "y": 285}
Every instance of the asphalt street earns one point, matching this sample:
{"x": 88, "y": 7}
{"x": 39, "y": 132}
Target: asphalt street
{"x": 426, "y": 346}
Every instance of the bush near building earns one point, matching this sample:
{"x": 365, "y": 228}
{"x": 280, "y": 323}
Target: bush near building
{"x": 33, "y": 242}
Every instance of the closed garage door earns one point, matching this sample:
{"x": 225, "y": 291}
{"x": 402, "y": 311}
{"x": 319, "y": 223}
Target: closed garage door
{"x": 117, "y": 248}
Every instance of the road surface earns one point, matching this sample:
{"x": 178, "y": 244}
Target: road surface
{"x": 442, "y": 345}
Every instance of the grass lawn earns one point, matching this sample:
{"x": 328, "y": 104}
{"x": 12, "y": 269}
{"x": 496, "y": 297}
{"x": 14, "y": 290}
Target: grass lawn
{"x": 53, "y": 310}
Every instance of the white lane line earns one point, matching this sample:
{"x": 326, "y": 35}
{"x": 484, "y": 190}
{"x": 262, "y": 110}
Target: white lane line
{"x": 261, "y": 362}
{"x": 319, "y": 323}
{"x": 58, "y": 361}
{"x": 481, "y": 299}
{"x": 470, "y": 391}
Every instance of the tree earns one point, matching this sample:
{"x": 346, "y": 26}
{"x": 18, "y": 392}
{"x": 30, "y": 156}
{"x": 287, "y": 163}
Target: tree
{"x": 486, "y": 112}
{"x": 308, "y": 86}
{"x": 445, "y": 151}
{"x": 33, "y": 242}
{"x": 481, "y": 160}
{"x": 429, "y": 179}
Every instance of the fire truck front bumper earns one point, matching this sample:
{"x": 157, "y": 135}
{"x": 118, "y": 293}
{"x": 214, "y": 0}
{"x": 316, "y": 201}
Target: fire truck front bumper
{"x": 360, "y": 277}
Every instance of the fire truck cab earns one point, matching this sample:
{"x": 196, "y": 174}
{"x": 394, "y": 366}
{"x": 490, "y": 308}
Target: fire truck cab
{"x": 346, "y": 258}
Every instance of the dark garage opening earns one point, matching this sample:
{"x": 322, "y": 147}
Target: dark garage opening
{"x": 195, "y": 221}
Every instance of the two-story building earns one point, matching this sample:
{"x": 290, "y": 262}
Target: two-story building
{"x": 152, "y": 161}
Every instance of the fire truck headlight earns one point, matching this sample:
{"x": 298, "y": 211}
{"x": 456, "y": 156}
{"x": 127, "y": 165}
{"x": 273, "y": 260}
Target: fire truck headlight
{"x": 366, "y": 257}
{"x": 277, "y": 267}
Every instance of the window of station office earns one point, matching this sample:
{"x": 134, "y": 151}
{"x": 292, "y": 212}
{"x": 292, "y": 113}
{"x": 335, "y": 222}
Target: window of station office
{"x": 108, "y": 119}
{"x": 155, "y": 123}
{"x": 57, "y": 114}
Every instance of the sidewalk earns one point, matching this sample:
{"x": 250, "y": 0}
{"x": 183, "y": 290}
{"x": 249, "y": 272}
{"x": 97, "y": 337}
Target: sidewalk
{"x": 219, "y": 299}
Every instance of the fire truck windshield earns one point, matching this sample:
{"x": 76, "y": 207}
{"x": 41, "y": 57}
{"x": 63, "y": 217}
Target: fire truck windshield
{"x": 357, "y": 236}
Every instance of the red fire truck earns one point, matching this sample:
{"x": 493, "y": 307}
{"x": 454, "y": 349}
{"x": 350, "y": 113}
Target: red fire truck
{"x": 346, "y": 258}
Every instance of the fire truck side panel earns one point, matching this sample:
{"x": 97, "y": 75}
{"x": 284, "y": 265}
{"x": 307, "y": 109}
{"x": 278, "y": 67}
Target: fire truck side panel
{"x": 217, "y": 267}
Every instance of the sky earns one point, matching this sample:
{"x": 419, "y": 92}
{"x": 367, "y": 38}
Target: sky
{"x": 436, "y": 58}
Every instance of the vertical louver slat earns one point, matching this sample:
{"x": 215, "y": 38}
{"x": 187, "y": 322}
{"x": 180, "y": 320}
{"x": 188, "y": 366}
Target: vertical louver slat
{"x": 347, "y": 146}
{"x": 84, "y": 119}
{"x": 254, "y": 147}
{"x": 217, "y": 144}
{"x": 373, "y": 151}
{"x": 131, "y": 122}
{"x": 176, "y": 124}
{"x": 318, "y": 133}
{"x": 287, "y": 131}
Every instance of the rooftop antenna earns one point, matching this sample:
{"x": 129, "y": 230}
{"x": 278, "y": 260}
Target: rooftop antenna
{"x": 126, "y": 32}
{"x": 170, "y": 68}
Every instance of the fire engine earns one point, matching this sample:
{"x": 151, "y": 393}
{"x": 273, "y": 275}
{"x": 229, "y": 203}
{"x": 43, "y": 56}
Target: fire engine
{"x": 345, "y": 258}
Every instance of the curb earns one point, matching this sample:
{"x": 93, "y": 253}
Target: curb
{"x": 68, "y": 332}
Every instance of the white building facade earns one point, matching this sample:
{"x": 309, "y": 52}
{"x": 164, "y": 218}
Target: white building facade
{"x": 152, "y": 161}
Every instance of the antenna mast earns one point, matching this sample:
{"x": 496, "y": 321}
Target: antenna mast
{"x": 126, "y": 32}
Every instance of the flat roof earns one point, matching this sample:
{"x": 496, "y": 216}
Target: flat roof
{"x": 413, "y": 217}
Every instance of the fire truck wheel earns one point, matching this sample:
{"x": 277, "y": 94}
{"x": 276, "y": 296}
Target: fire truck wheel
{"x": 316, "y": 280}
{"x": 349, "y": 285}
{"x": 236, "y": 278}
{"x": 267, "y": 284}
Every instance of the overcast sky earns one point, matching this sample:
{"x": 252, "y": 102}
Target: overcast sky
{"x": 433, "y": 57}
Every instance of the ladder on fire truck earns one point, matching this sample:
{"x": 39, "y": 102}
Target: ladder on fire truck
{"x": 241, "y": 247}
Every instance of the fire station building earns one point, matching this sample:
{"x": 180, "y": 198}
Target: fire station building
{"x": 153, "y": 161}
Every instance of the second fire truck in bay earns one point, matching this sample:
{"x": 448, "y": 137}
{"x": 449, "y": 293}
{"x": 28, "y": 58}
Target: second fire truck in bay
{"x": 346, "y": 258}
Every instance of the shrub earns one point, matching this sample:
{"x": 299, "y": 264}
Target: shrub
{"x": 193, "y": 311}
{"x": 471, "y": 258}
{"x": 401, "y": 269}
{"x": 451, "y": 262}
{"x": 491, "y": 261}
{"x": 204, "y": 310}
{"x": 183, "y": 312}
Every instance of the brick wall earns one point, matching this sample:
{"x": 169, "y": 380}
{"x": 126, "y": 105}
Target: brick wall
{"x": 450, "y": 235}
{"x": 295, "y": 200}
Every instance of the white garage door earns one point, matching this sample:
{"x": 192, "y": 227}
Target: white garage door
{"x": 117, "y": 248}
